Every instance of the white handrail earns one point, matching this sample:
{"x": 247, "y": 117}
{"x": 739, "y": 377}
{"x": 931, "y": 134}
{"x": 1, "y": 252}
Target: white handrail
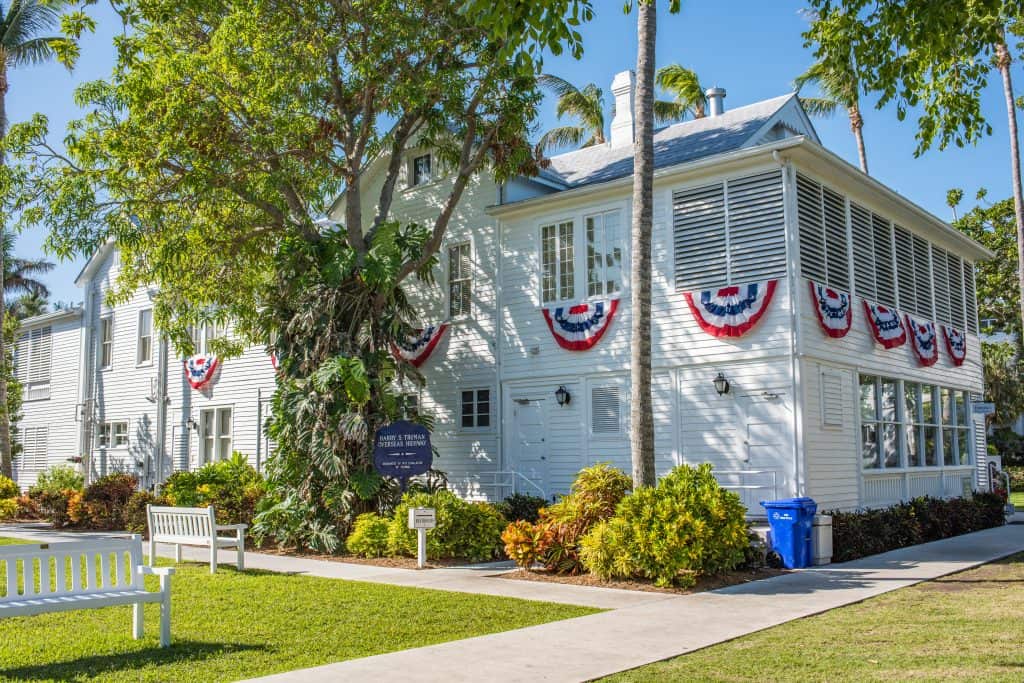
{"x": 508, "y": 480}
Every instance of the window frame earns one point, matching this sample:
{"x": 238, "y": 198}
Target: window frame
{"x": 108, "y": 435}
{"x": 578, "y": 281}
{"x": 588, "y": 264}
{"x": 108, "y": 319}
{"x": 36, "y": 382}
{"x": 139, "y": 361}
{"x": 217, "y": 437}
{"x": 476, "y": 414}
{"x": 466, "y": 279}
{"x": 413, "y": 158}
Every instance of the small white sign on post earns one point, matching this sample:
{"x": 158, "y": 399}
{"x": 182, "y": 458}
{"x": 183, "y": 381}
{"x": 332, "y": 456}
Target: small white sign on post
{"x": 422, "y": 519}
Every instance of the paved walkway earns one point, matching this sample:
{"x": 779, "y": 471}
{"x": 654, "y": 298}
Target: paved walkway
{"x": 640, "y": 628}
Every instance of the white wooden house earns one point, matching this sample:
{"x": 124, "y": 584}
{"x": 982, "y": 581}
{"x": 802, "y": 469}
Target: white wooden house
{"x": 744, "y": 197}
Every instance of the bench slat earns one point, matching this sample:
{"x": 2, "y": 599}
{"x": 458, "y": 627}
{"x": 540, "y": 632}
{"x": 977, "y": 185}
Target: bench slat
{"x": 12, "y": 577}
{"x": 44, "y": 578}
{"x": 28, "y": 576}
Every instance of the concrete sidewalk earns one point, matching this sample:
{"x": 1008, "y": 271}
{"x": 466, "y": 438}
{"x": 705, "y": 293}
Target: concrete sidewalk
{"x": 589, "y": 647}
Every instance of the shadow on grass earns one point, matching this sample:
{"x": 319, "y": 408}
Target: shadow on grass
{"x": 95, "y": 665}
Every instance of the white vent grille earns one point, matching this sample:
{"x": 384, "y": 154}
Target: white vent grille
{"x": 942, "y": 307}
{"x": 923, "y": 278}
{"x": 34, "y": 449}
{"x": 954, "y": 274}
{"x": 812, "y": 229}
{"x": 699, "y": 233}
{"x": 605, "y": 410}
{"x": 831, "y": 399}
{"x": 885, "y": 276}
{"x": 863, "y": 252}
{"x": 905, "y": 269}
{"x": 970, "y": 299}
{"x": 837, "y": 242}
{"x": 757, "y": 236}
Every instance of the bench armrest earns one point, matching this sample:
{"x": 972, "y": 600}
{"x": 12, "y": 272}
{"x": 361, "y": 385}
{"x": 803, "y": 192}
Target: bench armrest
{"x": 229, "y": 527}
{"x": 156, "y": 571}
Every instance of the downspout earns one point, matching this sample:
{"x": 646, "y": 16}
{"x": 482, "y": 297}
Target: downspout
{"x": 85, "y": 384}
{"x": 796, "y": 346}
{"x": 162, "y": 399}
{"x": 259, "y": 429}
{"x": 499, "y": 336}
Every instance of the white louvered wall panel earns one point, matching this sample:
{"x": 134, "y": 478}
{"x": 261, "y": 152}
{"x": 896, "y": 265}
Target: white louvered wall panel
{"x": 955, "y": 278}
{"x": 837, "y": 243}
{"x": 863, "y": 252}
{"x": 905, "y": 270}
{"x": 605, "y": 410}
{"x": 757, "y": 238}
{"x": 699, "y": 233}
{"x": 885, "y": 274}
{"x": 811, "y": 229}
{"x": 941, "y": 277}
{"x": 923, "y": 278}
{"x": 972, "y": 310}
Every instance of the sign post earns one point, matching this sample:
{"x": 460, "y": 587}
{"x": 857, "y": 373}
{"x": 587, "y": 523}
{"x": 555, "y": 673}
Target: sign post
{"x": 422, "y": 519}
{"x": 402, "y": 450}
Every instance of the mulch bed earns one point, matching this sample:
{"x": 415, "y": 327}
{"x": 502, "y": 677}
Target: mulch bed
{"x": 705, "y": 584}
{"x": 391, "y": 562}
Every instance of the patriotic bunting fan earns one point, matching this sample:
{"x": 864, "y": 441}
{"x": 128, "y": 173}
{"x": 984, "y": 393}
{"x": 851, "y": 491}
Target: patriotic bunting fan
{"x": 273, "y": 360}
{"x": 956, "y": 344}
{"x": 199, "y": 369}
{"x": 418, "y": 347}
{"x": 886, "y": 326}
{"x": 924, "y": 340}
{"x": 578, "y": 328}
{"x": 834, "y": 309}
{"x": 731, "y": 311}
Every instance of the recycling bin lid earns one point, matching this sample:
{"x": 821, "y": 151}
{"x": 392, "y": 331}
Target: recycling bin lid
{"x": 788, "y": 503}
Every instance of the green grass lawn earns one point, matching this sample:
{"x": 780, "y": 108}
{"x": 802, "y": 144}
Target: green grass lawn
{"x": 236, "y": 625}
{"x": 963, "y": 627}
{"x": 1017, "y": 498}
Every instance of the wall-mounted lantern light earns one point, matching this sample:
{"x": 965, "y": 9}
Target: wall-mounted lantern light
{"x": 721, "y": 384}
{"x": 563, "y": 396}
{"x": 191, "y": 424}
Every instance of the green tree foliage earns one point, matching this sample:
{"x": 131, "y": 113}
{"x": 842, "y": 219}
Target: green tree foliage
{"x": 230, "y": 129}
{"x": 585, "y": 104}
{"x": 1004, "y": 381}
{"x": 993, "y": 225}
{"x": 685, "y": 92}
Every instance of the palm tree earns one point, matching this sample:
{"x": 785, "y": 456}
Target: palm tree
{"x": 836, "y": 80}
{"x": 28, "y": 306}
{"x": 23, "y": 42}
{"x": 1003, "y": 64}
{"x": 687, "y": 94}
{"x": 20, "y": 275}
{"x": 585, "y": 104}
{"x": 641, "y": 434}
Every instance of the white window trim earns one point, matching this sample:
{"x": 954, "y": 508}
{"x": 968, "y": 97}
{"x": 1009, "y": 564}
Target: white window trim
{"x": 106, "y": 316}
{"x": 448, "y": 279}
{"x": 138, "y": 338}
{"x": 622, "y": 253}
{"x": 111, "y": 446}
{"x": 24, "y": 367}
{"x": 215, "y": 409}
{"x": 436, "y": 175}
{"x": 490, "y": 409}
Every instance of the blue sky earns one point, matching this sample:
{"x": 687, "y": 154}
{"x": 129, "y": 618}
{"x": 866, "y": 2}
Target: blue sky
{"x": 752, "y": 48}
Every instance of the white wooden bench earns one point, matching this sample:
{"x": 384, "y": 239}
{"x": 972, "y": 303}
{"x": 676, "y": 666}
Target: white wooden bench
{"x": 60, "y": 577}
{"x": 193, "y": 526}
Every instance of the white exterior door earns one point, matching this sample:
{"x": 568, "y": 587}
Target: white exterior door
{"x": 529, "y": 439}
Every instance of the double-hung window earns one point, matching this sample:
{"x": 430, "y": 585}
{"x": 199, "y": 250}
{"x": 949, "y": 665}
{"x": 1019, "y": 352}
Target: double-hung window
{"x": 112, "y": 435}
{"x": 106, "y": 342}
{"x": 214, "y": 434}
{"x": 604, "y": 253}
{"x": 955, "y": 428}
{"x": 144, "y": 343}
{"x": 557, "y": 268}
{"x": 880, "y": 423}
{"x": 459, "y": 280}
{"x": 203, "y": 334}
{"x": 476, "y": 409}
{"x": 422, "y": 170}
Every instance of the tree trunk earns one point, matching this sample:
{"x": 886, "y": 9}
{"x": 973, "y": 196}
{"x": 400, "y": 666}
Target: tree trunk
{"x": 1003, "y": 61}
{"x": 6, "y": 466}
{"x": 641, "y": 409}
{"x": 857, "y": 126}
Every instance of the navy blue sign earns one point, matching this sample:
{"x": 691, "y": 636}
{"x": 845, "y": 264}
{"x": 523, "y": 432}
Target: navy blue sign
{"x": 402, "y": 450}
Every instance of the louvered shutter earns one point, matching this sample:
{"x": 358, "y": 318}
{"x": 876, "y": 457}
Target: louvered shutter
{"x": 885, "y": 275}
{"x": 955, "y": 279}
{"x": 863, "y": 252}
{"x": 837, "y": 250}
{"x": 942, "y": 307}
{"x": 970, "y": 299}
{"x": 811, "y": 229}
{"x": 905, "y": 269}
{"x": 21, "y": 358}
{"x": 699, "y": 236}
{"x": 923, "y": 283}
{"x": 757, "y": 236}
{"x": 605, "y": 410}
{"x": 832, "y": 399}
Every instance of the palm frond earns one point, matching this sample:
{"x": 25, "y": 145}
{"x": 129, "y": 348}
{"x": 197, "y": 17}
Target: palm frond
{"x": 561, "y": 137}
{"x": 34, "y": 51}
{"x": 819, "y": 106}
{"x": 24, "y": 20}
{"x": 668, "y": 112}
{"x": 558, "y": 86}
{"x": 684, "y": 87}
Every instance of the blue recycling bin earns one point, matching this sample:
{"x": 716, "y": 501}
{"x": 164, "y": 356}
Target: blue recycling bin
{"x": 791, "y": 521}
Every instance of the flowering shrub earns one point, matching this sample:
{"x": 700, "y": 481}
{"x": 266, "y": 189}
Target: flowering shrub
{"x": 233, "y": 487}
{"x": 135, "y": 519}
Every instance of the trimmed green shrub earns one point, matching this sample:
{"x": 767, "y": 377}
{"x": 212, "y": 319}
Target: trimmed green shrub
{"x": 369, "y": 537}
{"x": 8, "y": 508}
{"x": 685, "y": 527}
{"x": 233, "y": 487}
{"x": 464, "y": 530}
{"x": 869, "y": 532}
{"x": 102, "y": 505}
{"x": 520, "y": 507}
{"x": 58, "y": 478}
{"x": 8, "y": 489}
{"x": 135, "y": 520}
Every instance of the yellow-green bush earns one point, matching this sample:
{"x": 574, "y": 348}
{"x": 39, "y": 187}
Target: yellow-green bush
{"x": 8, "y": 508}
{"x": 369, "y": 537}
{"x": 685, "y": 527}
{"x": 464, "y": 530}
{"x": 8, "y": 489}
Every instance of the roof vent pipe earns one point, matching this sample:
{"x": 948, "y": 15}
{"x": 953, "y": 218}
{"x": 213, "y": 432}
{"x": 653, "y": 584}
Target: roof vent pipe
{"x": 716, "y": 100}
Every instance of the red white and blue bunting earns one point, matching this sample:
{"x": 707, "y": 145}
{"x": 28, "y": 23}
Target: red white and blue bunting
{"x": 833, "y": 308}
{"x": 956, "y": 344}
{"x": 417, "y": 348}
{"x": 199, "y": 369}
{"x": 580, "y": 327}
{"x": 274, "y": 362}
{"x": 924, "y": 340}
{"x": 886, "y": 326}
{"x": 731, "y": 311}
